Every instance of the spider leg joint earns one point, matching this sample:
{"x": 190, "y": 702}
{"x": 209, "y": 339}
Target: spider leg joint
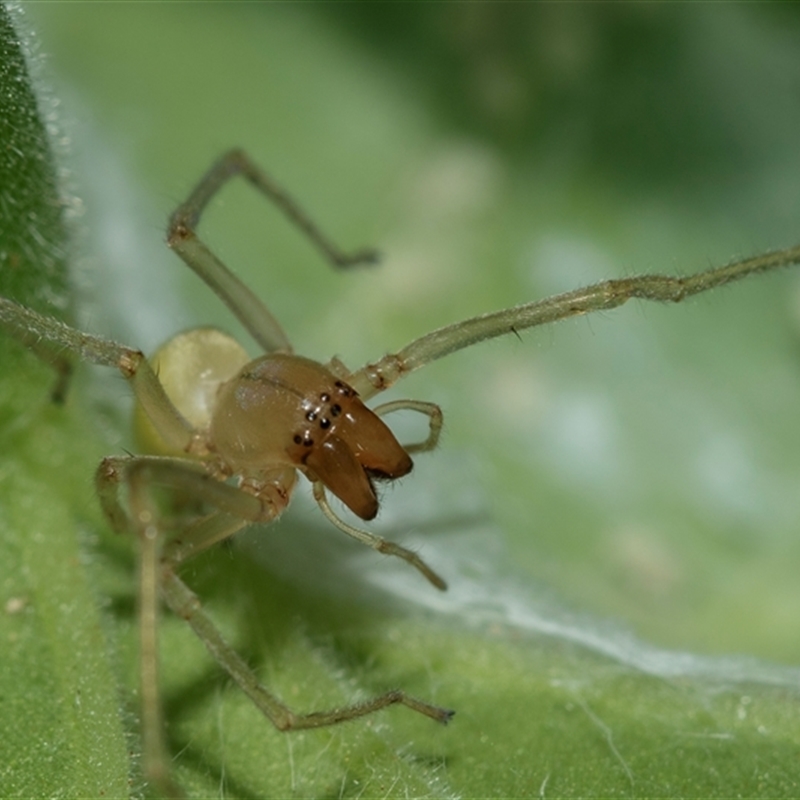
{"x": 129, "y": 362}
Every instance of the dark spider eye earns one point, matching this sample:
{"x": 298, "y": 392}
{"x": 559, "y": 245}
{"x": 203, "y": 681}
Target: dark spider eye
{"x": 324, "y": 423}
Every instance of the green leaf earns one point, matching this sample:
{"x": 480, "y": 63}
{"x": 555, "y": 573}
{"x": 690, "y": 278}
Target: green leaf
{"x": 614, "y": 501}
{"x": 60, "y": 729}
{"x": 32, "y": 238}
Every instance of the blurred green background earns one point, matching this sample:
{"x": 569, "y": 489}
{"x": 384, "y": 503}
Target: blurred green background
{"x": 615, "y": 501}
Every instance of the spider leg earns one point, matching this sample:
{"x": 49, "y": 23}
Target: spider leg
{"x": 376, "y": 377}
{"x": 157, "y": 563}
{"x": 182, "y": 238}
{"x": 52, "y": 356}
{"x": 159, "y": 560}
{"x": 190, "y": 478}
{"x": 431, "y": 410}
{"x": 375, "y": 542}
{"x": 187, "y": 605}
{"x": 53, "y": 340}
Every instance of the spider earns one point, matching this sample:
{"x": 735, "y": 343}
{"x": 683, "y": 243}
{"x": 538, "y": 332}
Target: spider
{"x": 233, "y": 432}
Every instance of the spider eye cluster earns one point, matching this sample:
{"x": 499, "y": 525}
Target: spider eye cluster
{"x": 323, "y": 415}
{"x": 291, "y": 411}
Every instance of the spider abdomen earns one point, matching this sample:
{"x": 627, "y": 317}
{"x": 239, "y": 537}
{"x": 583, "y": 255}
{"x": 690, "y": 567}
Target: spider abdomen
{"x": 191, "y": 367}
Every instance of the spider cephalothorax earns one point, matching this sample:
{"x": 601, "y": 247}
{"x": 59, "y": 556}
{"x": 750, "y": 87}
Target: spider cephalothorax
{"x": 287, "y": 410}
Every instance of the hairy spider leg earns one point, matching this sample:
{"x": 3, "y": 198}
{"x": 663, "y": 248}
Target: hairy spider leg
{"x": 159, "y": 560}
{"x": 374, "y": 378}
{"x": 374, "y": 541}
{"x": 157, "y": 576}
{"x": 43, "y": 349}
{"x": 431, "y": 410}
{"x": 57, "y": 338}
{"x": 378, "y": 543}
{"x": 182, "y": 238}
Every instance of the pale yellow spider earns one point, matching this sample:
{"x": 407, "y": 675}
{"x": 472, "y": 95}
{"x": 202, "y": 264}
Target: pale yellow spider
{"x": 232, "y": 433}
